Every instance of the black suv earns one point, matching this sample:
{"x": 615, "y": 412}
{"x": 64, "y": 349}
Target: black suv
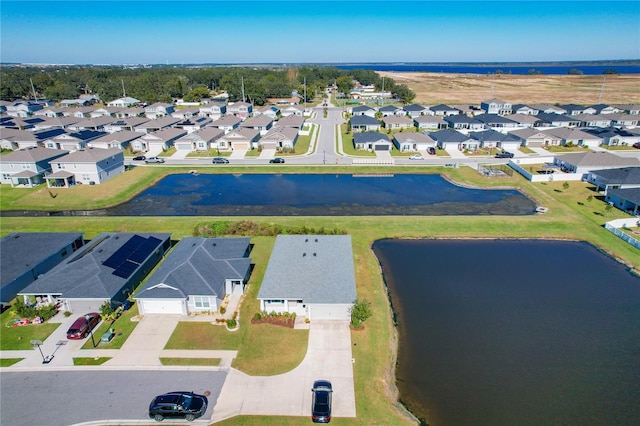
{"x": 219, "y": 160}
{"x": 321, "y": 401}
{"x": 185, "y": 405}
{"x": 504, "y": 154}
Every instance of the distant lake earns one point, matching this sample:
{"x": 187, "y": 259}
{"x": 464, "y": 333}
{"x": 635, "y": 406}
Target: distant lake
{"x": 514, "y": 332}
{"x": 492, "y": 68}
{"x": 319, "y": 195}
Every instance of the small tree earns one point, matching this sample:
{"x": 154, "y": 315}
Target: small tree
{"x": 608, "y": 209}
{"x": 565, "y": 185}
{"x": 360, "y": 312}
{"x": 589, "y": 199}
{"x": 107, "y": 312}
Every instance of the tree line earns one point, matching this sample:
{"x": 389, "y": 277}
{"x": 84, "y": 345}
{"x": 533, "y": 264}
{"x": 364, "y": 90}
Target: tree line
{"x": 166, "y": 83}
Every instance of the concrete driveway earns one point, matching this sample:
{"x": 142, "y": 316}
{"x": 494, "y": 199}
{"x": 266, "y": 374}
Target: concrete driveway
{"x": 328, "y": 357}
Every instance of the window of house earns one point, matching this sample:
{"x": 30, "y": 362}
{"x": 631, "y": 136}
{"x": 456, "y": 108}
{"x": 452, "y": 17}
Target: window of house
{"x": 276, "y": 302}
{"x": 201, "y": 301}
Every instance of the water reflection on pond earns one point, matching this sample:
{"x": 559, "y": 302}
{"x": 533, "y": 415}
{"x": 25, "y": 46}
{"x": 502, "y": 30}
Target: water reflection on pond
{"x": 518, "y": 332}
{"x": 319, "y": 195}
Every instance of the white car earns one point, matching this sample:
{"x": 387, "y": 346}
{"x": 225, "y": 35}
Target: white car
{"x": 416, "y": 157}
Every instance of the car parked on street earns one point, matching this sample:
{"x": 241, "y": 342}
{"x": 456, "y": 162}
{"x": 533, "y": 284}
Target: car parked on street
{"x": 431, "y": 150}
{"x": 504, "y": 154}
{"x": 83, "y": 325}
{"x": 151, "y": 160}
{"x": 416, "y": 157}
{"x": 636, "y": 145}
{"x": 179, "y": 404}
{"x": 321, "y": 401}
{"x": 219, "y": 160}
{"x": 277, "y": 160}
{"x": 139, "y": 158}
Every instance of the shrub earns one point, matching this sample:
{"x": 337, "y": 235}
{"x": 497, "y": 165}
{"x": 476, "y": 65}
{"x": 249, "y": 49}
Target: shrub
{"x": 360, "y": 312}
{"x": 257, "y": 316}
{"x": 67, "y": 313}
{"x": 223, "y": 310}
{"x": 24, "y": 311}
{"x": 231, "y": 323}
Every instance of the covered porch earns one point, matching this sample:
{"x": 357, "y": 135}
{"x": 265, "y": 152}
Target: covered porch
{"x": 26, "y": 179}
{"x": 60, "y": 179}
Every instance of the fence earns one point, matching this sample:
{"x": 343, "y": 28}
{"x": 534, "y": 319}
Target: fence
{"x": 558, "y": 177}
{"x": 373, "y": 161}
{"x": 614, "y": 226}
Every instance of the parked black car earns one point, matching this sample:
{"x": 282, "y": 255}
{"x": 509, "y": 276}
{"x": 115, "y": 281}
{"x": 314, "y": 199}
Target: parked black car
{"x": 504, "y": 154}
{"x": 219, "y": 160}
{"x": 277, "y": 160}
{"x": 139, "y": 158}
{"x": 432, "y": 150}
{"x": 179, "y": 404}
{"x": 321, "y": 401}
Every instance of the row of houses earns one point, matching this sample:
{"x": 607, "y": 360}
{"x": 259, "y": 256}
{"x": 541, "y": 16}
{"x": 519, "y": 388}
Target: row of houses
{"x": 310, "y": 275}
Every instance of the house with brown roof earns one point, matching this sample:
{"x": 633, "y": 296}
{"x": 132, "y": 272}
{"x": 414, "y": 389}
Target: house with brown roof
{"x": 279, "y": 138}
{"x": 27, "y": 167}
{"x": 393, "y": 122}
{"x": 261, "y": 123}
{"x": 158, "y": 141}
{"x": 88, "y": 166}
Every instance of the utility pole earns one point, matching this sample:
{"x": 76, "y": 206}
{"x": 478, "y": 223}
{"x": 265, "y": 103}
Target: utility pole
{"x": 305, "y": 93}
{"x": 242, "y": 80}
{"x": 124, "y": 93}
{"x": 35, "y": 97}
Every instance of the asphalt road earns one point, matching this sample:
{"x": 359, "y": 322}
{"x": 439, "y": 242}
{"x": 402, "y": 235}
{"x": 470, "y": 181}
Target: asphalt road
{"x": 69, "y": 397}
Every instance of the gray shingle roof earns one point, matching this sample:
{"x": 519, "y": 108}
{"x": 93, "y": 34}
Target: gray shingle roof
{"x": 199, "y": 267}
{"x": 89, "y": 155}
{"x": 311, "y": 268}
{"x": 629, "y": 194}
{"x": 366, "y": 137}
{"x": 598, "y": 159}
{"x": 621, "y": 176}
{"x": 32, "y": 155}
{"x": 448, "y": 135}
{"x": 363, "y": 120}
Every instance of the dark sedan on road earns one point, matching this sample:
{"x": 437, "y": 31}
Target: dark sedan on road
{"x": 321, "y": 401}
{"x": 219, "y": 160}
{"x": 504, "y": 154}
{"x": 83, "y": 325}
{"x": 277, "y": 160}
{"x": 179, "y": 404}
{"x": 139, "y": 158}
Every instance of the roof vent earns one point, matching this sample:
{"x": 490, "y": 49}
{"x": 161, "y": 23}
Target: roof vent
{"x": 314, "y": 255}
{"x": 306, "y": 240}
{"x": 304, "y": 254}
{"x": 316, "y": 240}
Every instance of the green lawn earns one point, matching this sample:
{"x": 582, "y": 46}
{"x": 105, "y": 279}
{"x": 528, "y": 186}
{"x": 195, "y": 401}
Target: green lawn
{"x": 18, "y": 338}
{"x": 123, "y": 327}
{"x": 90, "y": 360}
{"x": 8, "y": 362}
{"x": 347, "y": 144}
{"x": 203, "y": 335}
{"x": 210, "y": 362}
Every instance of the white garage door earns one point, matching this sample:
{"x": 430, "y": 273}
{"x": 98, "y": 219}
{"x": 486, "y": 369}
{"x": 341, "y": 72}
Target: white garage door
{"x": 329, "y": 312}
{"x": 165, "y": 306}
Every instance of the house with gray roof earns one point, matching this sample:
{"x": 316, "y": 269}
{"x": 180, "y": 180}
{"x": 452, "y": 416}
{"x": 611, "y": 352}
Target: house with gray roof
{"x": 213, "y": 109}
{"x": 261, "y": 123}
{"x": 575, "y": 109}
{"x": 393, "y": 122}
{"x": 631, "y": 109}
{"x": 496, "y": 106}
{"x": 585, "y": 162}
{"x": 363, "y": 123}
{"x": 576, "y": 137}
{"x": 57, "y": 123}
{"x": 454, "y": 140}
{"x": 193, "y": 123}
{"x": 363, "y": 110}
{"x": 157, "y": 124}
{"x": 497, "y": 122}
{"x": 523, "y": 109}
{"x": 25, "y": 256}
{"x": 197, "y": 276}
{"x": 200, "y": 140}
{"x": 158, "y": 141}
{"x": 372, "y": 141}
{"x": 493, "y": 139}
{"x": 129, "y": 123}
{"x": 292, "y": 120}
{"x": 279, "y": 138}
{"x": 535, "y": 138}
{"x": 96, "y": 123}
{"x": 388, "y": 110}
{"x": 310, "y": 275}
{"x": 27, "y": 168}
{"x": 594, "y": 120}
{"x": 416, "y": 110}
{"x": 73, "y": 141}
{"x": 623, "y": 177}
{"x": 120, "y": 140}
{"x": 627, "y": 199}
{"x": 227, "y": 123}
{"x": 605, "y": 109}
{"x": 241, "y": 139}
{"x": 292, "y": 110}
{"x": 462, "y": 122}
{"x": 107, "y": 268}
{"x": 413, "y": 141}
{"x": 430, "y": 122}
{"x": 240, "y": 109}
{"x": 443, "y": 110}
{"x": 268, "y": 110}
{"x": 158, "y": 109}
{"x": 123, "y": 102}
{"x": 557, "y": 120}
{"x": 524, "y": 120}
{"x": 613, "y": 136}
{"x": 624, "y": 120}
{"x": 89, "y": 166}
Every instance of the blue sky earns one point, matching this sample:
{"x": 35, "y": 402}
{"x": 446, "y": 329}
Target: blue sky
{"x": 135, "y": 32}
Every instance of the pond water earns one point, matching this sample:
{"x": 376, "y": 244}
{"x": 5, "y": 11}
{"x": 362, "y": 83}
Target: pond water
{"x": 318, "y": 195}
{"x": 514, "y": 332}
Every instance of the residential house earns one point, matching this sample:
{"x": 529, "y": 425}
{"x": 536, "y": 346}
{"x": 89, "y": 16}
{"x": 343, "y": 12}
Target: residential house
{"x": 557, "y": 120}
{"x": 23, "y": 108}
{"x": 524, "y": 120}
{"x": 296, "y": 121}
{"x": 157, "y": 124}
{"x": 294, "y": 100}
{"x": 574, "y": 137}
{"x": 51, "y": 112}
{"x": 462, "y": 122}
{"x": 624, "y": 120}
{"x": 158, "y": 110}
{"x": 497, "y": 122}
{"x": 363, "y": 123}
{"x": 23, "y": 139}
{"x": 227, "y": 123}
{"x": 73, "y": 141}
{"x": 197, "y": 276}
{"x": 27, "y": 167}
{"x": 68, "y": 103}
{"x": 214, "y": 110}
{"x": 129, "y": 123}
{"x": 57, "y": 123}
{"x": 494, "y": 139}
{"x": 548, "y": 109}
{"x": 416, "y": 110}
{"x": 363, "y": 110}
{"x": 128, "y": 112}
{"x": 85, "y": 112}
{"x": 632, "y": 109}
{"x": 106, "y": 112}
{"x": 593, "y": 120}
{"x": 269, "y": 111}
{"x": 388, "y": 110}
{"x": 393, "y": 122}
{"x": 614, "y": 136}
{"x": 108, "y": 268}
{"x": 194, "y": 123}
{"x": 605, "y": 109}
{"x": 372, "y": 141}
{"x": 312, "y": 276}
{"x": 120, "y": 140}
{"x": 523, "y": 109}
{"x": 200, "y": 140}
{"x": 534, "y": 138}
{"x": 88, "y": 166}
{"x": 292, "y": 110}
{"x": 623, "y": 177}
{"x": 185, "y": 113}
{"x": 261, "y": 123}
{"x": 496, "y": 106}
{"x": 585, "y": 162}
{"x": 279, "y": 138}
{"x": 124, "y": 102}
{"x": 413, "y": 141}
{"x": 443, "y": 110}
{"x": 468, "y": 109}
{"x": 97, "y": 123}
{"x": 240, "y": 109}
{"x": 158, "y": 141}
{"x": 25, "y": 256}
{"x": 430, "y": 122}
{"x": 20, "y": 123}
{"x": 240, "y": 139}
{"x": 450, "y": 139}
{"x": 627, "y": 200}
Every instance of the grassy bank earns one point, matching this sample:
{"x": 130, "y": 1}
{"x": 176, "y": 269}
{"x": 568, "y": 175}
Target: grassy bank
{"x": 571, "y": 216}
